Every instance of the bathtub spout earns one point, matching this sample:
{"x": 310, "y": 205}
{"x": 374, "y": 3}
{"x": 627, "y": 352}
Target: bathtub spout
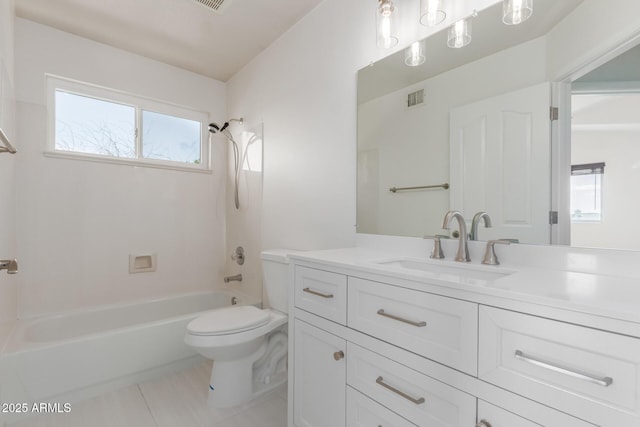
{"x": 236, "y": 278}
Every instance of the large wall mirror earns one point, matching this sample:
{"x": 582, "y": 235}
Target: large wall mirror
{"x": 474, "y": 126}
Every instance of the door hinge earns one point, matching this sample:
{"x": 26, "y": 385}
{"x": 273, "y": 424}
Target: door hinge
{"x": 553, "y": 113}
{"x": 553, "y": 217}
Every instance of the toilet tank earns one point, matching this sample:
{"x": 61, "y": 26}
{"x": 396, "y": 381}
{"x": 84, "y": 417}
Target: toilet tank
{"x": 275, "y": 279}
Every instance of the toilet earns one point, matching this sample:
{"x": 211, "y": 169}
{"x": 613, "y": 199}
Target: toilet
{"x": 248, "y": 345}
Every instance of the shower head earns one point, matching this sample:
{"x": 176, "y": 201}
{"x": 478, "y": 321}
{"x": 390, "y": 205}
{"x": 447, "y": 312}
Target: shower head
{"x": 215, "y": 128}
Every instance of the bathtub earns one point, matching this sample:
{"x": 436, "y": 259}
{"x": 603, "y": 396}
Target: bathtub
{"x": 72, "y": 356}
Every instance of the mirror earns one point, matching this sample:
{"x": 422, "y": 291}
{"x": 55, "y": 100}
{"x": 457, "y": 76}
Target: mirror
{"x": 477, "y": 119}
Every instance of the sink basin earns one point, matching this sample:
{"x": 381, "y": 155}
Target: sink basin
{"x": 452, "y": 273}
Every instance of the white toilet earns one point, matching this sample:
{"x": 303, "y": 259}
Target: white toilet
{"x": 248, "y": 345}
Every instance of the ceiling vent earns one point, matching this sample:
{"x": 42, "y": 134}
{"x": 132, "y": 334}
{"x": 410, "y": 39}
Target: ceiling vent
{"x": 217, "y": 6}
{"x": 415, "y": 98}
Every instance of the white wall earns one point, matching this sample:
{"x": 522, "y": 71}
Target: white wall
{"x": 8, "y": 283}
{"x": 413, "y": 144}
{"x": 303, "y": 87}
{"x": 595, "y": 28}
{"x": 79, "y": 221}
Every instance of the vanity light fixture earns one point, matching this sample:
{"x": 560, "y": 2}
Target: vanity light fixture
{"x": 460, "y": 33}
{"x": 515, "y": 12}
{"x": 414, "y": 54}
{"x": 385, "y": 24}
{"x": 431, "y": 12}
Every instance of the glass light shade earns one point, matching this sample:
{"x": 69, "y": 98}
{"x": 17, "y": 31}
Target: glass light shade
{"x": 515, "y": 12}
{"x": 459, "y": 34}
{"x": 414, "y": 54}
{"x": 431, "y": 12}
{"x": 386, "y": 24}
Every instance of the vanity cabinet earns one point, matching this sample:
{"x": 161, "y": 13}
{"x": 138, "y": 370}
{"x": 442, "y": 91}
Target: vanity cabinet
{"x": 375, "y": 351}
{"x": 319, "y": 377}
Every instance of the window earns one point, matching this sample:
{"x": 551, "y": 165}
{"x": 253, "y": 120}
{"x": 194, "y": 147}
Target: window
{"x": 586, "y": 192}
{"x": 95, "y": 123}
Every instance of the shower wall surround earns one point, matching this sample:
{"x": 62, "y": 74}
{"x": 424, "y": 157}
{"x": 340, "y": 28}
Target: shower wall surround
{"x": 79, "y": 220}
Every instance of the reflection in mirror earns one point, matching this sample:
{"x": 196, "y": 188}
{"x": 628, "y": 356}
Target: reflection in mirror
{"x": 605, "y": 154}
{"x": 478, "y": 119}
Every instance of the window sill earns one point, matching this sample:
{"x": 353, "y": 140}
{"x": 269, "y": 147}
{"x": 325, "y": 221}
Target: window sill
{"x": 157, "y": 164}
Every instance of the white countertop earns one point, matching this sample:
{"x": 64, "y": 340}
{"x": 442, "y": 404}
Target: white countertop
{"x": 606, "y": 295}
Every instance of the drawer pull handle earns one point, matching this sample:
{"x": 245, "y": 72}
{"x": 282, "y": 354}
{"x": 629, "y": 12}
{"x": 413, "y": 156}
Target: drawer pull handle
{"x": 320, "y": 294}
{"x": 380, "y": 381}
{"x": 603, "y": 381}
{"x": 400, "y": 319}
{"x": 338, "y": 355}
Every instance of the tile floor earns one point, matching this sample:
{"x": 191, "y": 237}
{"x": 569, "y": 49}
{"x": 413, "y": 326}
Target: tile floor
{"x": 175, "y": 400}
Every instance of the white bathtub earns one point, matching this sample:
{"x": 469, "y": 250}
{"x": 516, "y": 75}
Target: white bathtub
{"x": 76, "y": 355}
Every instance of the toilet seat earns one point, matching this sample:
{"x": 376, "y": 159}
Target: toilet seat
{"x": 229, "y": 320}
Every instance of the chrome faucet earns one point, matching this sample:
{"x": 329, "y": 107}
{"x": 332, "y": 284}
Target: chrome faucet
{"x": 463, "y": 251}
{"x": 236, "y": 278}
{"x": 473, "y": 234}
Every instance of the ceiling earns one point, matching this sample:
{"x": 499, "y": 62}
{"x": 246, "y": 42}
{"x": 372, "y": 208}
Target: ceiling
{"x": 182, "y": 33}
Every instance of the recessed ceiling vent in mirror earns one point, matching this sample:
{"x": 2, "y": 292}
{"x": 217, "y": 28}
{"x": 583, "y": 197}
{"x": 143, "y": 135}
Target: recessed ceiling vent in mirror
{"x": 217, "y": 6}
{"x": 415, "y": 98}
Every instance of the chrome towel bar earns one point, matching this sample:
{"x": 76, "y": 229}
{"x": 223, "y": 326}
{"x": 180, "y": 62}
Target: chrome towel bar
{"x": 423, "y": 187}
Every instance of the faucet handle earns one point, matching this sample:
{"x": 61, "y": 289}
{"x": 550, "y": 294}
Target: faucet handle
{"x": 436, "y": 252}
{"x": 490, "y": 257}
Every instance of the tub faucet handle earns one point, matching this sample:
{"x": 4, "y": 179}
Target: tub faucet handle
{"x": 11, "y": 265}
{"x": 238, "y": 255}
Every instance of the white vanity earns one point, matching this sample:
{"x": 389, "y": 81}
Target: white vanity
{"x": 388, "y": 337}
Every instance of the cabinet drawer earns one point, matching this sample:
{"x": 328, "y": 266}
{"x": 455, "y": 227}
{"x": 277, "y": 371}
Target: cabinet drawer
{"x": 440, "y": 328}
{"x": 364, "y": 412}
{"x": 420, "y": 399}
{"x": 322, "y": 293}
{"x": 572, "y": 368}
{"x": 495, "y": 416}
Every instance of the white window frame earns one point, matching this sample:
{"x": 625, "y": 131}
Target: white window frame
{"x": 140, "y": 103}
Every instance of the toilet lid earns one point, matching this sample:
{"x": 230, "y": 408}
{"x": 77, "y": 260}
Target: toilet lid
{"x": 228, "y": 320}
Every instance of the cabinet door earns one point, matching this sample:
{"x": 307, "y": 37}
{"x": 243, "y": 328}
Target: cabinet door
{"x": 319, "y": 388}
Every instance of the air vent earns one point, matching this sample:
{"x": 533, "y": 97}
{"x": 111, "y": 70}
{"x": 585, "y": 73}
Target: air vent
{"x": 217, "y": 6}
{"x": 415, "y": 98}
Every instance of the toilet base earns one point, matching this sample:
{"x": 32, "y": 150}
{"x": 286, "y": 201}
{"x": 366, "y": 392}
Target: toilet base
{"x": 236, "y": 382}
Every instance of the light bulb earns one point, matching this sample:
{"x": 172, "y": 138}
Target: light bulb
{"x": 414, "y": 55}
{"x": 385, "y": 23}
{"x": 431, "y": 12}
{"x": 459, "y": 34}
{"x": 515, "y": 12}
